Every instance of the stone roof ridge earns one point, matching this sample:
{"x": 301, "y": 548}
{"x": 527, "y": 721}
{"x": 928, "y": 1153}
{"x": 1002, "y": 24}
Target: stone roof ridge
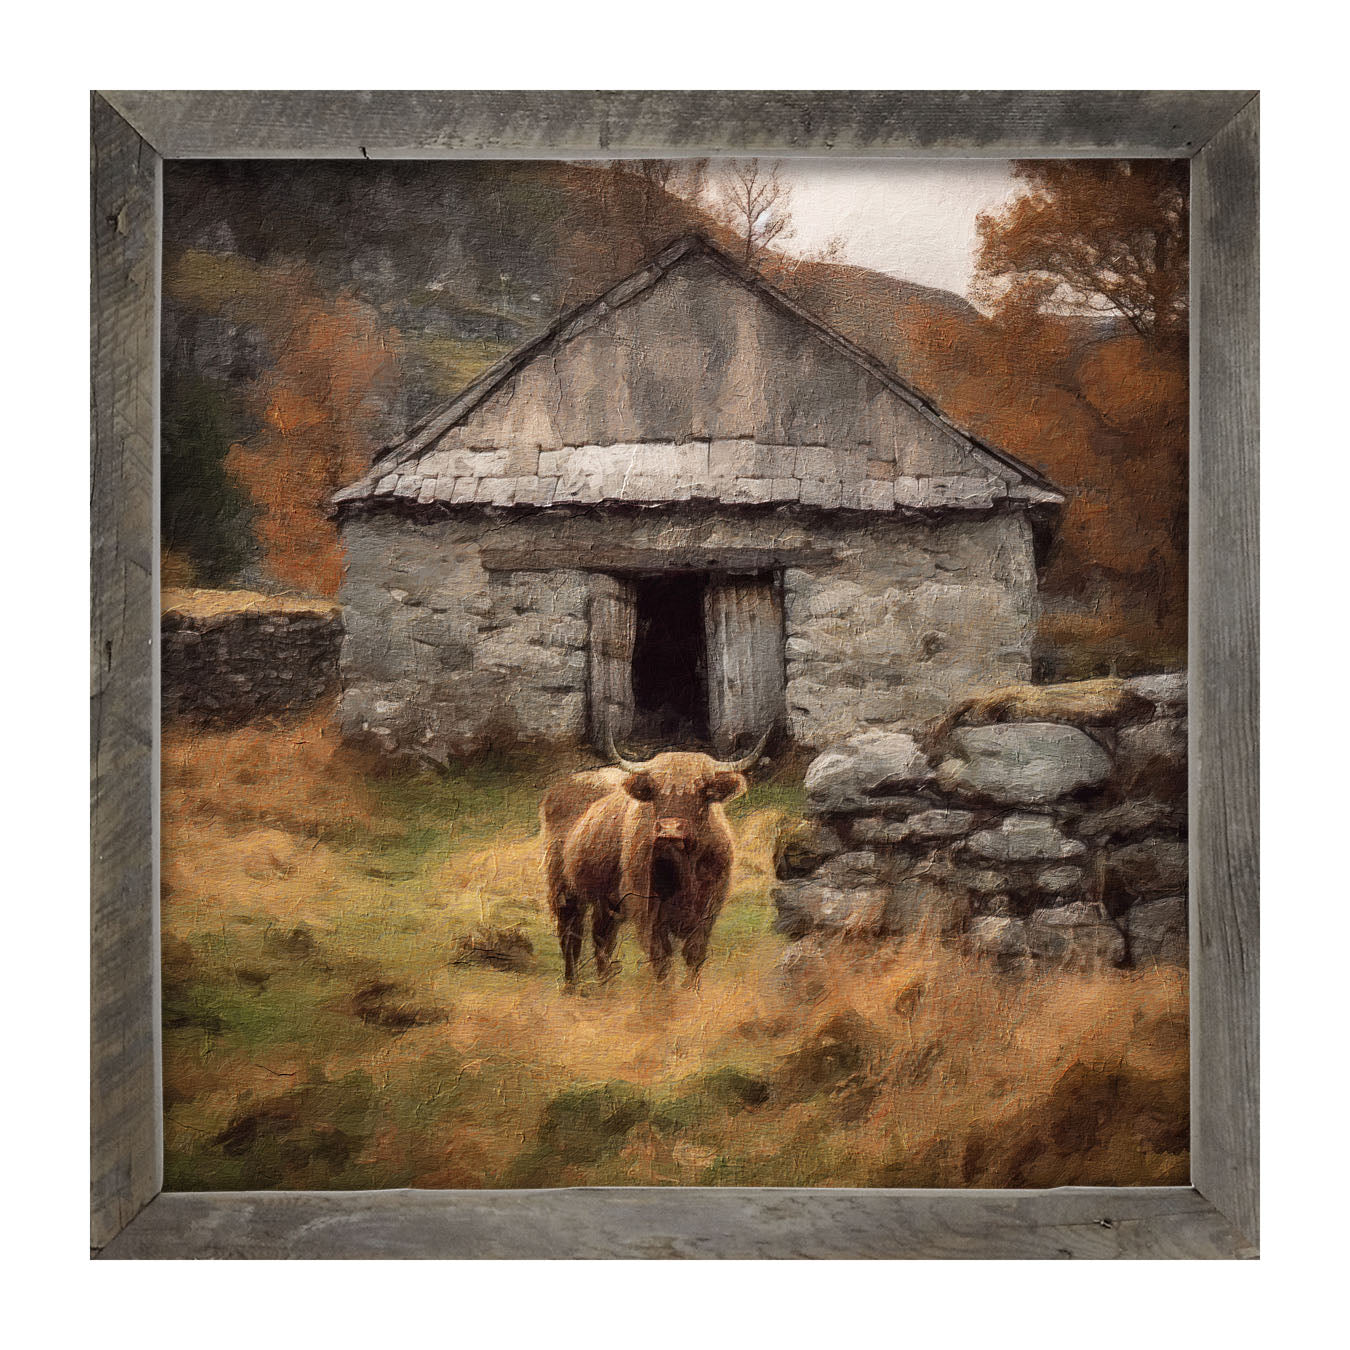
{"x": 427, "y": 429}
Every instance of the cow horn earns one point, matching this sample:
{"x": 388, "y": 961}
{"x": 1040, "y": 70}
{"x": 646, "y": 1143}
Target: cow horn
{"x": 741, "y": 765}
{"x": 632, "y": 765}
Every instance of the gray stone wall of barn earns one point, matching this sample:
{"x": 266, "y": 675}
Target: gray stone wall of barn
{"x": 471, "y": 627}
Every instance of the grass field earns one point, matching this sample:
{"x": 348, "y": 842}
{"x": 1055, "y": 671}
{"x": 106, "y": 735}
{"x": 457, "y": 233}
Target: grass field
{"x": 362, "y": 989}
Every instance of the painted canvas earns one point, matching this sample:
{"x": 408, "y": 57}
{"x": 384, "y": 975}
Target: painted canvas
{"x": 674, "y": 673}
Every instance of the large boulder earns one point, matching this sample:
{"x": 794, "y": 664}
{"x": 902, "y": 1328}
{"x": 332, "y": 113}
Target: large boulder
{"x": 1023, "y": 763}
{"x": 1078, "y": 937}
{"x": 1025, "y": 838}
{"x": 870, "y": 772}
{"x": 1156, "y": 931}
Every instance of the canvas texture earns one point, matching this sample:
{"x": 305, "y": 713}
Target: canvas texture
{"x": 674, "y": 673}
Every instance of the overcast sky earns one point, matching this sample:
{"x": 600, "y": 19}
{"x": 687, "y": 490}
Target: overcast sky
{"x": 912, "y": 218}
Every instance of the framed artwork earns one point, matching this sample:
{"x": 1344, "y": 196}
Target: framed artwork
{"x": 674, "y": 675}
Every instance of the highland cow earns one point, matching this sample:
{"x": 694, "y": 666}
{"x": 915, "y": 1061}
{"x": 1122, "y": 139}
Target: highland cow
{"x": 646, "y": 841}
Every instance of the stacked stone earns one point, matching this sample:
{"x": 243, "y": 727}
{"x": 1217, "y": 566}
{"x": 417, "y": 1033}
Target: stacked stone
{"x": 444, "y": 658}
{"x": 1038, "y": 843}
{"x": 228, "y": 664}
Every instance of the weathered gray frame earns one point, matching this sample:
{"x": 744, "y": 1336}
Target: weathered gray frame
{"x": 1217, "y": 1216}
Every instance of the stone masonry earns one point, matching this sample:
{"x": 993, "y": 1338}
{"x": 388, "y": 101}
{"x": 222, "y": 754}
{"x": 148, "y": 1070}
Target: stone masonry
{"x": 460, "y": 631}
{"x": 1058, "y": 844}
{"x": 228, "y": 657}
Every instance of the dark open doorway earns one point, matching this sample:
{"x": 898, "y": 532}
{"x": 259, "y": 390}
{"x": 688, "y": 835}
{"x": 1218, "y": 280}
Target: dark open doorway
{"x": 670, "y": 668}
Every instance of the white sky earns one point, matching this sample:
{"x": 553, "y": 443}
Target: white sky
{"x": 912, "y": 218}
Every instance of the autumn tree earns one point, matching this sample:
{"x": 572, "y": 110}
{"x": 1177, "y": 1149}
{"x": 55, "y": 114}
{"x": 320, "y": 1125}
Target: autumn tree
{"x": 319, "y": 406}
{"x": 1095, "y": 237}
{"x": 753, "y": 202}
{"x": 306, "y": 419}
{"x": 1089, "y": 241}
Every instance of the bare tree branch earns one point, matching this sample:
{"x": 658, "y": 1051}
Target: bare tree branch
{"x": 753, "y": 201}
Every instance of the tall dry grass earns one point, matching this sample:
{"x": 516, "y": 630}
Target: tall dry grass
{"x": 322, "y": 1031}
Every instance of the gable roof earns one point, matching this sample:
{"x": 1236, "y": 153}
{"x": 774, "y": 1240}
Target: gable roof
{"x": 394, "y": 460}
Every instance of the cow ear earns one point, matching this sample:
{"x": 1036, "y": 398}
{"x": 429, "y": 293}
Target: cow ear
{"x": 640, "y": 787}
{"x": 726, "y": 785}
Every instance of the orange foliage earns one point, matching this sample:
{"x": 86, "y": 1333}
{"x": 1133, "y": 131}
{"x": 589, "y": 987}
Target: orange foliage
{"x": 1092, "y": 236}
{"x": 318, "y": 407}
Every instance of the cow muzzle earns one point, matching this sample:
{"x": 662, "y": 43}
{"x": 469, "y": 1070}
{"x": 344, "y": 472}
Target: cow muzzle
{"x": 672, "y": 832}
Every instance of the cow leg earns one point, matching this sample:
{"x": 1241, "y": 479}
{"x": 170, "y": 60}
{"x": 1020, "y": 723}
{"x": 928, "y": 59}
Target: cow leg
{"x": 568, "y": 913}
{"x": 659, "y": 949}
{"x": 570, "y": 918}
{"x": 695, "y": 949}
{"x": 605, "y": 921}
{"x": 695, "y": 952}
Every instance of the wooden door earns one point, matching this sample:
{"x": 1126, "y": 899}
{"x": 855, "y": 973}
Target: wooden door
{"x": 613, "y": 636}
{"x": 743, "y": 623}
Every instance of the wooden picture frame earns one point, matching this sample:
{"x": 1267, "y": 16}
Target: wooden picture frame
{"x": 1216, "y": 1216}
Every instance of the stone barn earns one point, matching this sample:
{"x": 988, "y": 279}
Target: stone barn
{"x": 687, "y": 512}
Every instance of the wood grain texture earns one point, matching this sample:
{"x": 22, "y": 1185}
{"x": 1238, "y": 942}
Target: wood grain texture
{"x": 743, "y": 626}
{"x": 125, "y": 1148}
{"x": 650, "y": 392}
{"x": 613, "y": 634}
{"x": 298, "y": 124}
{"x": 1225, "y": 695}
{"x": 668, "y": 1223}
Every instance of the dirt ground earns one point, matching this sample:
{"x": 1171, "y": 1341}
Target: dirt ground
{"x": 362, "y": 989}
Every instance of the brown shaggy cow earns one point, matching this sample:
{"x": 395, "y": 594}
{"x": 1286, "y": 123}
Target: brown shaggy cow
{"x": 645, "y": 841}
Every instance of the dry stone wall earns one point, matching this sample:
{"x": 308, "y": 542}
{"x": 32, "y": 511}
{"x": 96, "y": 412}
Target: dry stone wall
{"x": 1036, "y": 843}
{"x": 229, "y": 657}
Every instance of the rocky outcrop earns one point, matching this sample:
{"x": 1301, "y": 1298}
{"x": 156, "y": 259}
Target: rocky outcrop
{"x": 1037, "y": 844}
{"x": 230, "y": 657}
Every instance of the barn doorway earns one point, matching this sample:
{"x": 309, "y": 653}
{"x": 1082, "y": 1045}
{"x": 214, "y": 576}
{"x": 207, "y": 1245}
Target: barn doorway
{"x": 670, "y": 665}
{"x": 685, "y": 658}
